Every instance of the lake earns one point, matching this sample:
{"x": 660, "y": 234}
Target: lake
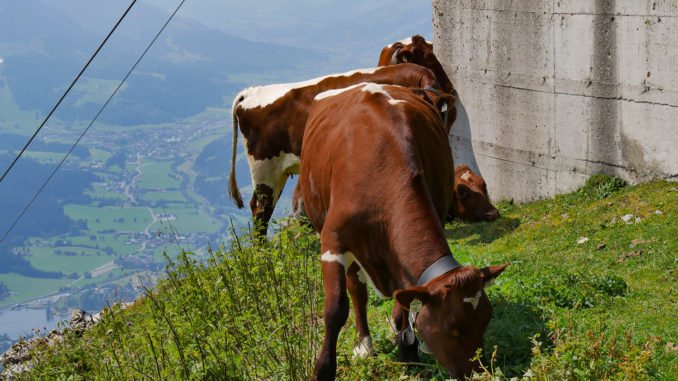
{"x": 16, "y": 323}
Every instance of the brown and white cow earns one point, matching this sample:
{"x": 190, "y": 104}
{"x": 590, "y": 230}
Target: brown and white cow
{"x": 416, "y": 50}
{"x": 376, "y": 180}
{"x": 472, "y": 202}
{"x": 272, "y": 118}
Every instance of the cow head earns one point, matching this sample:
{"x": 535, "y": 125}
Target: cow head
{"x": 418, "y": 51}
{"x": 472, "y": 202}
{"x": 454, "y": 315}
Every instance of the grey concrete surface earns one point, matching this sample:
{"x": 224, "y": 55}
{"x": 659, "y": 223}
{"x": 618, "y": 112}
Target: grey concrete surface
{"x": 552, "y": 91}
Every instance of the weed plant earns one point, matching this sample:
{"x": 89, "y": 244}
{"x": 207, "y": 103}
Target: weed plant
{"x": 248, "y": 313}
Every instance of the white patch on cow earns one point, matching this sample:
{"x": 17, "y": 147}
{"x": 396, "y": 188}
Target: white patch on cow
{"x": 272, "y": 172}
{"x": 364, "y": 349}
{"x": 379, "y": 89}
{"x": 376, "y": 89}
{"x": 343, "y": 259}
{"x": 467, "y": 175}
{"x": 474, "y": 300}
{"x": 262, "y": 96}
{"x": 346, "y": 260}
{"x": 406, "y": 41}
{"x": 331, "y": 93}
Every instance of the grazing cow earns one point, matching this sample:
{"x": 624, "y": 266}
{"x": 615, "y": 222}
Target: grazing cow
{"x": 272, "y": 119}
{"x": 418, "y": 51}
{"x": 472, "y": 202}
{"x": 376, "y": 180}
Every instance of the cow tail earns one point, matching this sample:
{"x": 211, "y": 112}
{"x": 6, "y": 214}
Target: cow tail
{"x": 233, "y": 191}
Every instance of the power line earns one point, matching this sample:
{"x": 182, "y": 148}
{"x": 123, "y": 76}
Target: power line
{"x": 67, "y": 91}
{"x": 92, "y": 122}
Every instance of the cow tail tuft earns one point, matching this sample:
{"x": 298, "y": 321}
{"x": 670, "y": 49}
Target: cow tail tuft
{"x": 233, "y": 191}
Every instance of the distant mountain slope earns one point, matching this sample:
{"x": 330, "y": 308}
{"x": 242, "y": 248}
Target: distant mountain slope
{"x": 189, "y": 68}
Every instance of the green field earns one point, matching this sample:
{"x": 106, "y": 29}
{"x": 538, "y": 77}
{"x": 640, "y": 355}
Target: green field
{"x": 165, "y": 196}
{"x": 157, "y": 176}
{"x": 188, "y": 220}
{"x": 45, "y": 258}
{"x": 133, "y": 218}
{"x": 29, "y": 288}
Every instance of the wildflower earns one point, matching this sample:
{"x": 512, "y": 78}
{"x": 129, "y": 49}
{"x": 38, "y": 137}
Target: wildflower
{"x": 129, "y": 323}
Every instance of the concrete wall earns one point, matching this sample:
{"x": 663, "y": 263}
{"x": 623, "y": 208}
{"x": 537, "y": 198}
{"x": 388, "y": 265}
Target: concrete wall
{"x": 552, "y": 91}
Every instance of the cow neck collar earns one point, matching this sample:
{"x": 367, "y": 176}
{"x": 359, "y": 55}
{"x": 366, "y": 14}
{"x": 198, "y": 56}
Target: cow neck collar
{"x": 439, "y": 267}
{"x": 394, "y": 60}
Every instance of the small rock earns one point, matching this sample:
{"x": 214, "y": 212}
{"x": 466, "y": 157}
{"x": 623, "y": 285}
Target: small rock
{"x": 638, "y": 219}
{"x": 670, "y": 347}
{"x": 673, "y": 189}
{"x": 582, "y": 240}
{"x": 564, "y": 215}
{"x": 630, "y": 254}
{"x": 600, "y": 246}
{"x": 628, "y": 219}
{"x": 658, "y": 212}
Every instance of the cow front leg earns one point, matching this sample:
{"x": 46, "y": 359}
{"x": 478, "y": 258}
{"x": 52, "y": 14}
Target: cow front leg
{"x": 405, "y": 338}
{"x": 262, "y": 208}
{"x": 336, "y": 313}
{"x": 358, "y": 290}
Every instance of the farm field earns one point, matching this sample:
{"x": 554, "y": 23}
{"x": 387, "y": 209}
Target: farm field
{"x": 590, "y": 293}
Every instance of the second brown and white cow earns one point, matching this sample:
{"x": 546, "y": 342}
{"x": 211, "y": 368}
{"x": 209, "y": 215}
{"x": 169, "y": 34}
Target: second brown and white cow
{"x": 416, "y": 50}
{"x": 377, "y": 182}
{"x": 272, "y": 118}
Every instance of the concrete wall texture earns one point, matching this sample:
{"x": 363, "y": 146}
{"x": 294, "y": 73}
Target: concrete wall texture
{"x": 551, "y": 92}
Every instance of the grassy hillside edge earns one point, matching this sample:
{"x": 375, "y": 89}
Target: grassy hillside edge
{"x": 590, "y": 294}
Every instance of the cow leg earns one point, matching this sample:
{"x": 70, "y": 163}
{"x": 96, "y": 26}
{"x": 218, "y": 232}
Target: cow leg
{"x": 405, "y": 339}
{"x": 335, "y": 310}
{"x": 358, "y": 291}
{"x": 262, "y": 208}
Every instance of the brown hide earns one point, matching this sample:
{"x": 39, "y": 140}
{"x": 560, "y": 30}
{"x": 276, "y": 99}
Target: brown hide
{"x": 278, "y": 127}
{"x": 472, "y": 202}
{"x": 377, "y": 181}
{"x": 417, "y": 51}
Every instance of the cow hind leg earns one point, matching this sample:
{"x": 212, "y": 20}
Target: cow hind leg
{"x": 358, "y": 290}
{"x": 262, "y": 208}
{"x": 336, "y": 310}
{"x": 405, "y": 338}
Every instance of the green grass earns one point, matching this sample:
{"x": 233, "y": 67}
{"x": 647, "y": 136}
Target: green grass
{"x": 562, "y": 309}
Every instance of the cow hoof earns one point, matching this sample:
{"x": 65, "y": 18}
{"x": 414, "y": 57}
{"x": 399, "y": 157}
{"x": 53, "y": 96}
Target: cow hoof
{"x": 364, "y": 349}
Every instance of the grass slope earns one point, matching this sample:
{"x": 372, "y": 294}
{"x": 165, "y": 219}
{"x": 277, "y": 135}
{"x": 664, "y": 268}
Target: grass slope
{"x": 587, "y": 296}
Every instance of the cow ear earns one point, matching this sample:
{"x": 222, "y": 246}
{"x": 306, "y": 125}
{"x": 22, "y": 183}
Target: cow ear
{"x": 404, "y": 56}
{"x": 490, "y": 273}
{"x": 406, "y": 296}
{"x": 446, "y": 103}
